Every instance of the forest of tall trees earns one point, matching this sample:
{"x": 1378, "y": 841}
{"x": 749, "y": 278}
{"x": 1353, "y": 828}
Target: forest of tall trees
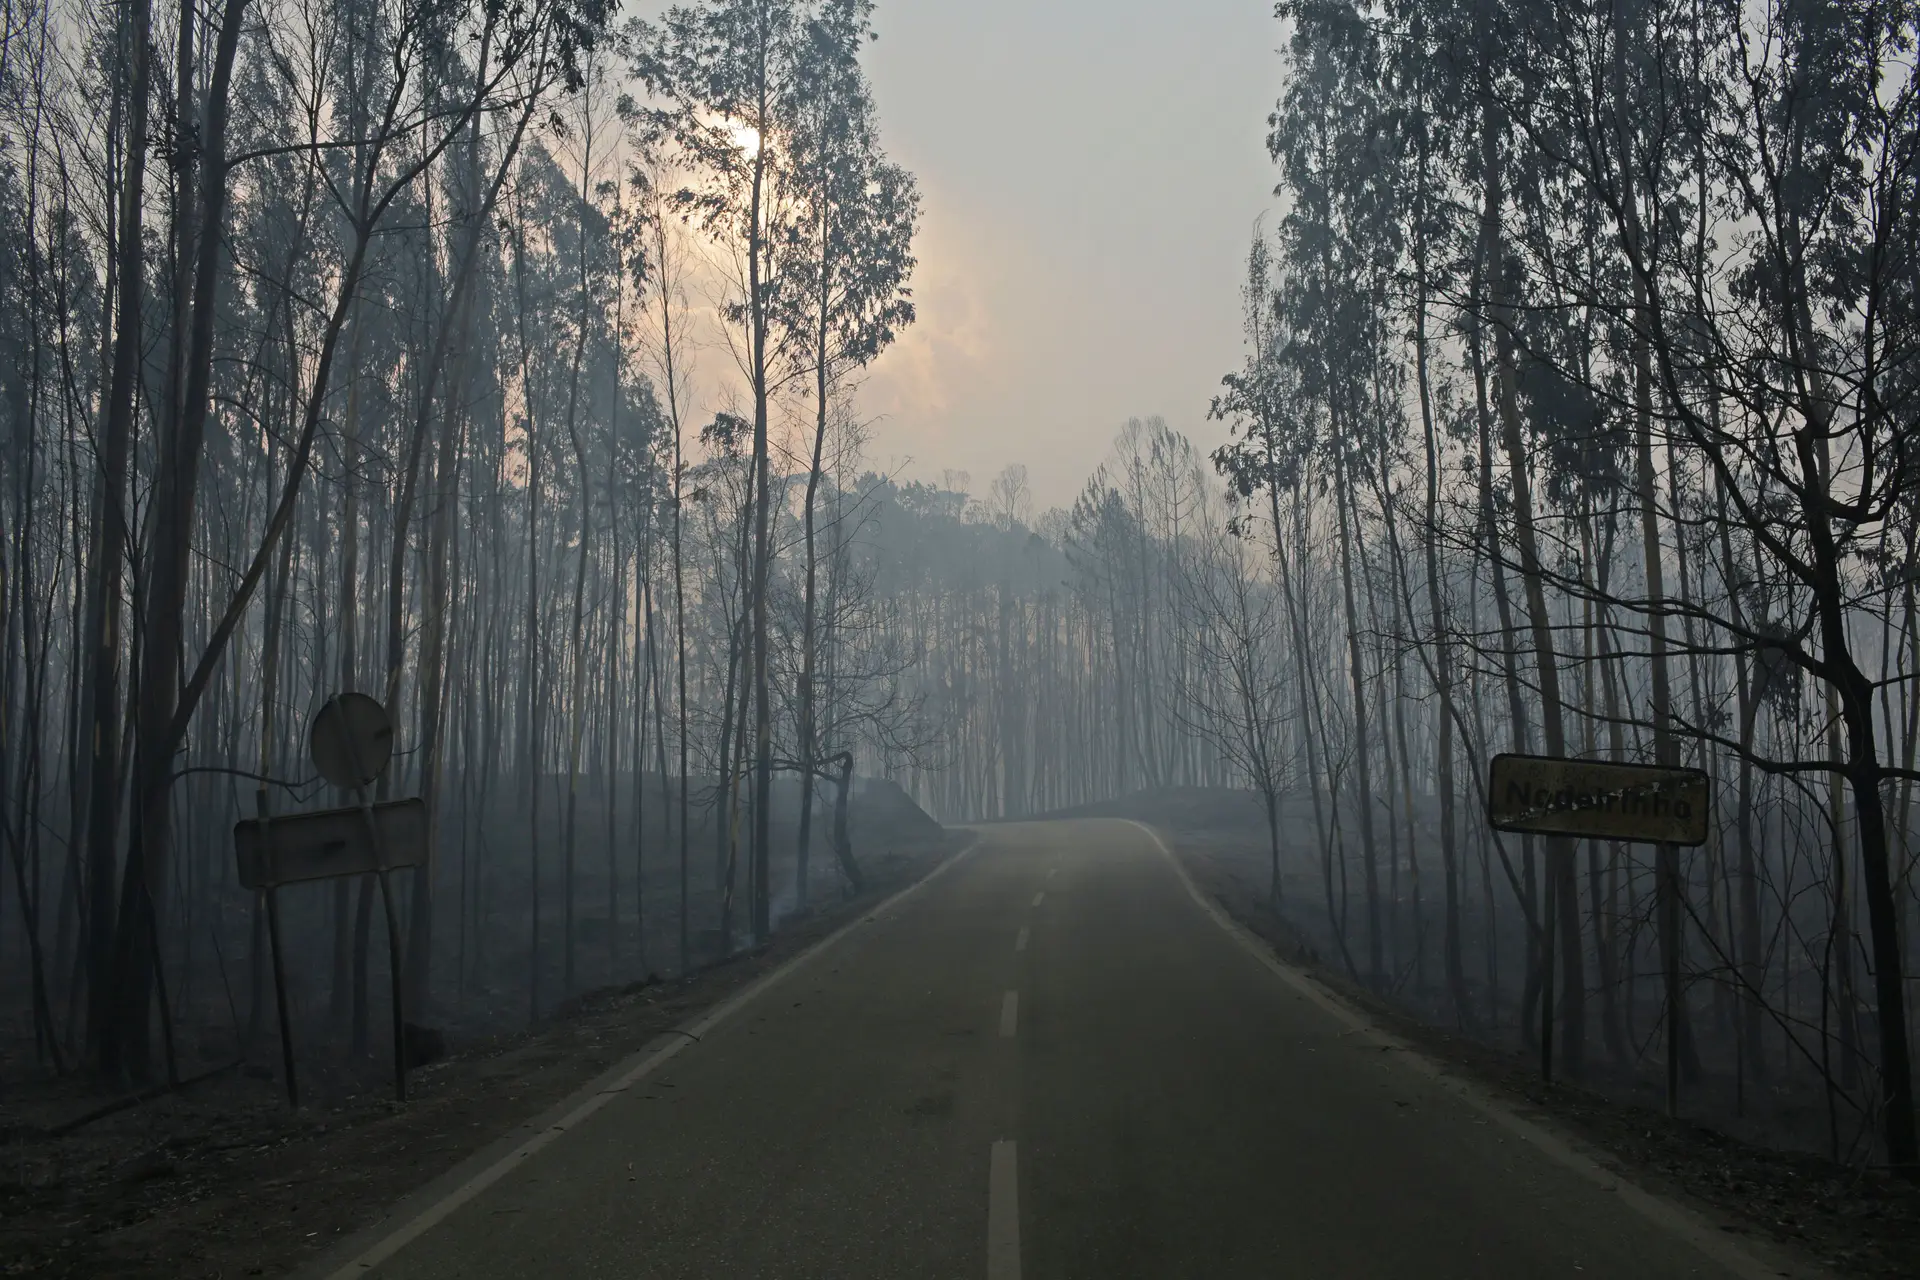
{"x": 1578, "y": 417}
{"x": 351, "y": 347}
{"x": 503, "y": 363}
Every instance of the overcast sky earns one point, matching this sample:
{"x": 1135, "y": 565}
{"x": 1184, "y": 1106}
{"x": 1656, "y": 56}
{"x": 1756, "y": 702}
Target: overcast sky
{"x": 1091, "y": 171}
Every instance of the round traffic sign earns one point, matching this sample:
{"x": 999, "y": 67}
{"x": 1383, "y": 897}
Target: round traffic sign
{"x": 351, "y": 740}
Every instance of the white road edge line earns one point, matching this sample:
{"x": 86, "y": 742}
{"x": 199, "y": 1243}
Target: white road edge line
{"x": 1673, "y": 1217}
{"x": 1009, "y": 1014}
{"x": 1038, "y": 897}
{"x": 1020, "y": 943}
{"x": 1003, "y": 1212}
{"x": 596, "y": 1095}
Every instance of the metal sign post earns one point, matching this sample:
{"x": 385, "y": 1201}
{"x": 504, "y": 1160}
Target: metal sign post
{"x": 352, "y": 743}
{"x": 351, "y": 740}
{"x": 279, "y": 972}
{"x": 1598, "y": 799}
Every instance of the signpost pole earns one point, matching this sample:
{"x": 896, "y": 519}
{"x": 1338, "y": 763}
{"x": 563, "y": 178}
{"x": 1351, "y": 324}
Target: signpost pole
{"x": 280, "y": 994}
{"x": 273, "y": 950}
{"x": 1663, "y": 805}
{"x": 396, "y": 976}
{"x": 351, "y": 741}
{"x": 1545, "y": 934}
{"x": 393, "y": 963}
{"x": 1669, "y": 858}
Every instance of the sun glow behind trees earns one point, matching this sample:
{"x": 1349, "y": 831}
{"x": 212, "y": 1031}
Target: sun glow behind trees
{"x": 414, "y": 405}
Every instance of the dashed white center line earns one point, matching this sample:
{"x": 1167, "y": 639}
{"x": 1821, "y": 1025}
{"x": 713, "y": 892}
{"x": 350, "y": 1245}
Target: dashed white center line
{"x": 1020, "y": 943}
{"x": 1003, "y": 1212}
{"x": 1052, "y": 871}
{"x": 1038, "y": 896}
{"x": 1009, "y": 1013}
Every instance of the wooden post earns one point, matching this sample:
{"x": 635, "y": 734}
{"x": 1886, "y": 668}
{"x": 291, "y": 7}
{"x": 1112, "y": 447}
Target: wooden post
{"x": 273, "y": 949}
{"x": 1549, "y": 905}
{"x": 397, "y": 975}
{"x": 1669, "y": 869}
{"x": 280, "y": 992}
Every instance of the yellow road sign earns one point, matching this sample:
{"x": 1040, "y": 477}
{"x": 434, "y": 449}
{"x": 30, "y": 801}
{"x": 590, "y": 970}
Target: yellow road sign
{"x": 1596, "y": 798}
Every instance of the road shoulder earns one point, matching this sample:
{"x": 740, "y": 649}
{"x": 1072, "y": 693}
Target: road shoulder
{"x": 1795, "y": 1214}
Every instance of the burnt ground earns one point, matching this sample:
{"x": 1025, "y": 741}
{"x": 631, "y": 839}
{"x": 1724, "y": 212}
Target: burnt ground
{"x": 1854, "y": 1221}
{"x": 221, "y": 1179}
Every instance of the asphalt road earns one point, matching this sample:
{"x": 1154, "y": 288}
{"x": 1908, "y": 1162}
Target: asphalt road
{"x": 1051, "y": 1060}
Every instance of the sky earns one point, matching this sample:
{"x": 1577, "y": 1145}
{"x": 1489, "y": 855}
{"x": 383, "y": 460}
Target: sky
{"x": 1091, "y": 172}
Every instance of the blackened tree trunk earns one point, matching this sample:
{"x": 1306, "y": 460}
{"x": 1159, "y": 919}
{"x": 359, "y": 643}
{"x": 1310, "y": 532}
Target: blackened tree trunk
{"x": 1357, "y": 673}
{"x": 110, "y": 545}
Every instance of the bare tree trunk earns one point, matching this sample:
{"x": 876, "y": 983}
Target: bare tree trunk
{"x": 534, "y": 704}
{"x": 453, "y": 341}
{"x": 762, "y": 505}
{"x": 1599, "y": 892}
{"x": 808, "y": 638}
{"x": 1364, "y": 802}
{"x": 109, "y": 548}
{"x": 1516, "y": 705}
{"x": 680, "y": 706}
{"x": 666, "y": 293}
{"x": 577, "y": 703}
{"x": 176, "y": 485}
{"x": 1309, "y": 698}
{"x": 1442, "y": 660}
{"x": 433, "y": 680}
{"x": 340, "y": 968}
{"x": 1563, "y": 912}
